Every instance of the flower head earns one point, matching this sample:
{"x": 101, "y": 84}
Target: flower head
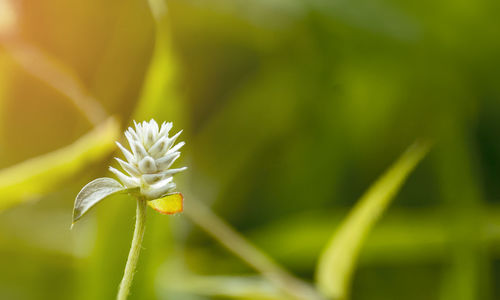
{"x": 148, "y": 165}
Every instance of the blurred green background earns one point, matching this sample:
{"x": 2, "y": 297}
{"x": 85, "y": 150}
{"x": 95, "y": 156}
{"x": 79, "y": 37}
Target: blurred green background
{"x": 290, "y": 110}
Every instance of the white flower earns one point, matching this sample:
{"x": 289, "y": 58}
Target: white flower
{"x": 153, "y": 152}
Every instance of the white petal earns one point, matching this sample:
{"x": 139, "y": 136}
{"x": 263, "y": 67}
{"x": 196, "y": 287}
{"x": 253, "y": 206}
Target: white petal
{"x": 167, "y": 145}
{"x": 155, "y": 128}
{"x": 134, "y": 134}
{"x": 153, "y": 124}
{"x": 128, "y": 156}
{"x": 137, "y": 125}
{"x": 165, "y": 128}
{"x": 176, "y": 147}
{"x": 162, "y": 127}
{"x": 126, "y": 180}
{"x": 139, "y": 151}
{"x": 173, "y": 138}
{"x": 150, "y": 137}
{"x": 173, "y": 171}
{"x": 159, "y": 147}
{"x": 141, "y": 131}
{"x": 147, "y": 165}
{"x": 166, "y": 161}
{"x": 130, "y": 138}
{"x": 155, "y": 178}
{"x": 138, "y": 128}
{"x": 132, "y": 142}
{"x": 158, "y": 190}
{"x": 129, "y": 168}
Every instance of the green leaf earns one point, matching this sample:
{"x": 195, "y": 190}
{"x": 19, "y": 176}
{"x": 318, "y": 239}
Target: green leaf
{"x": 337, "y": 262}
{"x": 43, "y": 173}
{"x": 94, "y": 192}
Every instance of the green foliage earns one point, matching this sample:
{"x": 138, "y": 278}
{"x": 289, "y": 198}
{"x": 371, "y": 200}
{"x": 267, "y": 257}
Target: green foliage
{"x": 94, "y": 192}
{"x": 42, "y": 174}
{"x": 290, "y": 111}
{"x": 230, "y": 287}
{"x": 338, "y": 260}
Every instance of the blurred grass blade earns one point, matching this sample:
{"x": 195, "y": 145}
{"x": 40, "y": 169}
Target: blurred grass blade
{"x": 158, "y": 90}
{"x": 208, "y": 221}
{"x": 5, "y": 80}
{"x": 337, "y": 262}
{"x": 158, "y": 9}
{"x": 41, "y": 174}
{"x": 56, "y": 75}
{"x": 249, "y": 287}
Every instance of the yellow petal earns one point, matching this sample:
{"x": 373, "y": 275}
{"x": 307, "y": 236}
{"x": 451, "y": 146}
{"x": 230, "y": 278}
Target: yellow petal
{"x": 168, "y": 205}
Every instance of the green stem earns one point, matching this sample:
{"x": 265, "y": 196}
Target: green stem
{"x": 135, "y": 249}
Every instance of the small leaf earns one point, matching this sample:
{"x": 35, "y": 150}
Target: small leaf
{"x": 94, "y": 192}
{"x": 337, "y": 262}
{"x": 168, "y": 205}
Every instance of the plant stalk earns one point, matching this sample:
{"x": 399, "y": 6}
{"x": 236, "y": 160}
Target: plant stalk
{"x": 135, "y": 249}
{"x": 294, "y": 287}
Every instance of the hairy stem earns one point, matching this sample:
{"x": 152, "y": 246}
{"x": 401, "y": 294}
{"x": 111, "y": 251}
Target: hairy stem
{"x": 135, "y": 249}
